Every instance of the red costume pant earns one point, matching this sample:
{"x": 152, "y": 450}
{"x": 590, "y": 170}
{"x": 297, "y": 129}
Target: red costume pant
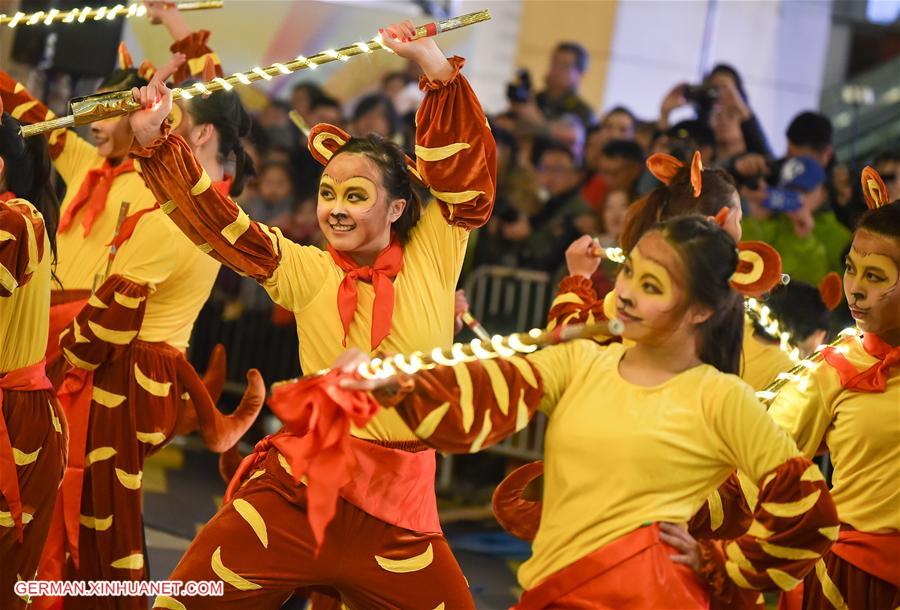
{"x": 134, "y": 405}
{"x": 37, "y": 430}
{"x": 838, "y": 583}
{"x": 260, "y": 544}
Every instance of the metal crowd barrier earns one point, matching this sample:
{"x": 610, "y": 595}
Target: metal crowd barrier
{"x": 505, "y": 300}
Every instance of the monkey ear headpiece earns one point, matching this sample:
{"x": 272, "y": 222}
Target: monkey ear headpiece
{"x": 325, "y": 139}
{"x": 831, "y": 290}
{"x": 873, "y": 188}
{"x": 758, "y": 270}
{"x": 664, "y": 167}
{"x": 759, "y": 264}
{"x": 125, "y": 61}
{"x": 146, "y": 69}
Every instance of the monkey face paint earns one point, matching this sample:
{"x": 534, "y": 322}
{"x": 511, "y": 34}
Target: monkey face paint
{"x": 870, "y": 283}
{"x": 352, "y": 209}
{"x": 649, "y": 296}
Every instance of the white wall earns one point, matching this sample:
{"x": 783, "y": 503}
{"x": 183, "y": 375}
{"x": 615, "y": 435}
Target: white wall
{"x": 778, "y": 46}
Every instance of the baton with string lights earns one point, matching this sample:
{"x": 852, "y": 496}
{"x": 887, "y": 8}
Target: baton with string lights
{"x": 82, "y": 15}
{"x": 102, "y": 106}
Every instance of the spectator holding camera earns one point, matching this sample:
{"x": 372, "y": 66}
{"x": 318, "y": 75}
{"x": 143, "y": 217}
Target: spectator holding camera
{"x": 721, "y": 102}
{"x": 560, "y": 95}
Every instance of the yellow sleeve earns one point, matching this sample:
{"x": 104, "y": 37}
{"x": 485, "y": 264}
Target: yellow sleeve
{"x": 744, "y": 435}
{"x": 148, "y": 257}
{"x": 300, "y": 273}
{"x": 443, "y": 244}
{"x": 556, "y": 365}
{"x": 801, "y": 410}
{"x": 75, "y": 155}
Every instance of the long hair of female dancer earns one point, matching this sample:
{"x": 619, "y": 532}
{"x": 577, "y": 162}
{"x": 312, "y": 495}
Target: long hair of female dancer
{"x": 710, "y": 258}
{"x": 27, "y": 173}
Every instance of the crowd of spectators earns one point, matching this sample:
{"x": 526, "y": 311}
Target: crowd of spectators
{"x": 564, "y": 172}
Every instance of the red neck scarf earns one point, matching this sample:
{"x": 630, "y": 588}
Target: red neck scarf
{"x": 130, "y": 222}
{"x": 223, "y": 186}
{"x": 387, "y": 265}
{"x": 874, "y": 378}
{"x": 128, "y": 226}
{"x": 4, "y": 197}
{"x": 92, "y": 194}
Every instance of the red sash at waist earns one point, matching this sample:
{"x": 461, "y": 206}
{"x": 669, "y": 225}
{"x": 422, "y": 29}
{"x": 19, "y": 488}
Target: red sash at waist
{"x": 877, "y": 554}
{"x": 631, "y": 573}
{"x": 28, "y": 379}
{"x": 395, "y": 483}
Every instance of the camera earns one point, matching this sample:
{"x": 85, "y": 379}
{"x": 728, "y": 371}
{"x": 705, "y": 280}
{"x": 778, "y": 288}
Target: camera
{"x": 519, "y": 90}
{"x": 702, "y": 97}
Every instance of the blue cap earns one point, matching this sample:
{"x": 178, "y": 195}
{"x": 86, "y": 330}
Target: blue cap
{"x": 801, "y": 174}
{"x": 782, "y": 200}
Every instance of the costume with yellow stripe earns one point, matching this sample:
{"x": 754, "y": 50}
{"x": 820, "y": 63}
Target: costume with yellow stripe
{"x": 839, "y": 406}
{"x": 32, "y": 422}
{"x": 391, "y": 512}
{"x": 129, "y": 392}
{"x": 82, "y": 255}
{"x": 664, "y": 449}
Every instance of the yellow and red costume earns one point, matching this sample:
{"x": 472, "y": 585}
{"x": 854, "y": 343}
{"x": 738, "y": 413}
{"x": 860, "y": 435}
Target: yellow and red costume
{"x": 851, "y": 403}
{"x": 130, "y": 388}
{"x": 665, "y": 450}
{"x": 33, "y": 433}
{"x": 96, "y": 190}
{"x": 384, "y": 547}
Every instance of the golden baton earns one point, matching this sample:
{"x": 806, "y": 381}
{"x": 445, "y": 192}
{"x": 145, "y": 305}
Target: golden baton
{"x": 118, "y": 103}
{"x": 80, "y": 15}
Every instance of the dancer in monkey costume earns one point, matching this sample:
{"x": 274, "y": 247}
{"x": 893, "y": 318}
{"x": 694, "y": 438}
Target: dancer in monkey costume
{"x": 849, "y": 404}
{"x": 387, "y": 282}
{"x": 100, "y": 178}
{"x": 33, "y": 432}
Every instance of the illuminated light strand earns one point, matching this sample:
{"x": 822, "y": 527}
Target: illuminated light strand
{"x": 800, "y": 373}
{"x": 119, "y": 103}
{"x": 97, "y": 14}
{"x": 762, "y": 314}
{"x": 475, "y": 350}
{"x": 497, "y": 347}
{"x": 616, "y": 255}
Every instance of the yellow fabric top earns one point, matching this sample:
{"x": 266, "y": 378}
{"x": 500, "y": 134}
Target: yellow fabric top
{"x": 619, "y": 455}
{"x": 307, "y": 280}
{"x": 862, "y": 431}
{"x": 179, "y": 276}
{"x": 25, "y": 315}
{"x": 761, "y": 362}
{"x": 80, "y": 259}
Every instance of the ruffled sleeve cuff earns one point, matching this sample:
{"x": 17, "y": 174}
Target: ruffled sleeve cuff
{"x": 137, "y": 151}
{"x": 426, "y": 84}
